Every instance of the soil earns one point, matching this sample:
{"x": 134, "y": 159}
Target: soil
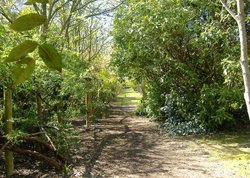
{"x": 124, "y": 146}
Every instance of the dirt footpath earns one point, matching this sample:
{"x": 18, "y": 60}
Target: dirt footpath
{"x": 133, "y": 147}
{"x": 124, "y": 146}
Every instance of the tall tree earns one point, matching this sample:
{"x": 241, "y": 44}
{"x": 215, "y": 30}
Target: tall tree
{"x": 241, "y": 21}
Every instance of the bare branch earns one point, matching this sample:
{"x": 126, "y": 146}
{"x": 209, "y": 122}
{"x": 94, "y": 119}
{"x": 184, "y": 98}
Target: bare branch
{"x": 104, "y": 11}
{"x": 51, "y": 16}
{"x": 5, "y": 15}
{"x": 37, "y": 9}
{"x": 229, "y": 10}
{"x": 85, "y": 5}
{"x": 4, "y": 146}
{"x": 49, "y": 139}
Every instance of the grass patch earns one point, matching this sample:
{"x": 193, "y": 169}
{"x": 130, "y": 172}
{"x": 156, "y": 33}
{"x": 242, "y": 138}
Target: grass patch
{"x": 128, "y": 97}
{"x": 127, "y": 102}
{"x": 129, "y": 93}
{"x": 232, "y": 149}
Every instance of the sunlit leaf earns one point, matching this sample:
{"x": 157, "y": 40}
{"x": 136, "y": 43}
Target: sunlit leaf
{"x": 22, "y": 70}
{"x": 21, "y": 50}
{"x": 30, "y": 2}
{"x": 51, "y": 57}
{"x": 27, "y": 22}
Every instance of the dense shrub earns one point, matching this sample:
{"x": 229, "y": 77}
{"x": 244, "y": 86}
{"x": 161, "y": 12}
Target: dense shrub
{"x": 186, "y": 55}
{"x": 219, "y": 106}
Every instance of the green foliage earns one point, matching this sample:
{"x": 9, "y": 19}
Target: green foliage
{"x": 23, "y": 70}
{"x": 81, "y": 42}
{"x": 27, "y": 22}
{"x": 13, "y": 136}
{"x": 99, "y": 108}
{"x": 21, "y": 51}
{"x": 26, "y": 125}
{"x": 220, "y": 107}
{"x": 178, "y": 116}
{"x": 30, "y": 2}
{"x": 183, "y": 128}
{"x": 25, "y": 65}
{"x": 51, "y": 57}
{"x": 175, "y": 48}
{"x": 63, "y": 135}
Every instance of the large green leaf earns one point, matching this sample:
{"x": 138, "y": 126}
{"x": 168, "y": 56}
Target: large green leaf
{"x": 21, "y": 50}
{"x": 51, "y": 57}
{"x": 23, "y": 70}
{"x": 27, "y": 22}
{"x": 30, "y": 2}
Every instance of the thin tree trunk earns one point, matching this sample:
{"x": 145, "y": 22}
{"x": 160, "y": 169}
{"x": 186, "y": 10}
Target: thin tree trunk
{"x": 39, "y": 106}
{"x": 89, "y": 109}
{"x": 59, "y": 110}
{"x": 143, "y": 88}
{"x": 89, "y": 82}
{"x": 244, "y": 56}
{"x": 8, "y": 127}
{"x": 241, "y": 20}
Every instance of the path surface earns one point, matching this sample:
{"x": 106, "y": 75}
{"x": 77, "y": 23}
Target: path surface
{"x": 122, "y": 146}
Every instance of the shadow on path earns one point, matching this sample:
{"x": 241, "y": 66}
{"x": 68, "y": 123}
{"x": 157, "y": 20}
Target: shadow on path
{"x": 98, "y": 148}
{"x": 125, "y": 146}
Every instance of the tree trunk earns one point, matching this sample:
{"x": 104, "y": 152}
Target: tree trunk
{"x": 8, "y": 127}
{"x": 59, "y": 104}
{"x": 142, "y": 86}
{"x": 59, "y": 111}
{"x": 244, "y": 56}
{"x": 89, "y": 109}
{"x": 39, "y": 106}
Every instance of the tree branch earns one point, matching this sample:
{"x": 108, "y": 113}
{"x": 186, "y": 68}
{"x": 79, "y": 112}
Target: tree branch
{"x": 229, "y": 10}
{"x": 48, "y": 146}
{"x": 5, "y": 15}
{"x": 104, "y": 11}
{"x": 85, "y": 5}
{"x": 37, "y": 9}
{"x": 58, "y": 165}
{"x": 52, "y": 14}
{"x": 4, "y": 146}
{"x": 49, "y": 139}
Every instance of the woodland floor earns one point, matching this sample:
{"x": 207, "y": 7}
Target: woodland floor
{"x": 125, "y": 146}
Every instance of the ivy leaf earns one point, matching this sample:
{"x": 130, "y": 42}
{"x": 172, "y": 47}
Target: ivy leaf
{"x": 27, "y": 22}
{"x": 30, "y": 2}
{"x": 51, "y": 57}
{"x": 21, "y": 50}
{"x": 22, "y": 70}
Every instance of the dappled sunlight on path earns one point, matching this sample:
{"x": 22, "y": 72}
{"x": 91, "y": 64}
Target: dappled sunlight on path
{"x": 128, "y": 146}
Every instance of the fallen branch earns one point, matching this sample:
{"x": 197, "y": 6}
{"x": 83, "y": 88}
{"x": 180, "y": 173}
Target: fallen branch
{"x": 48, "y": 138}
{"x": 46, "y": 145}
{"x": 57, "y": 165}
{"x": 4, "y": 146}
{"x": 40, "y": 142}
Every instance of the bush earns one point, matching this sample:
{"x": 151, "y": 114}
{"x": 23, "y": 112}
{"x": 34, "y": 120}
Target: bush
{"x": 215, "y": 108}
{"x": 100, "y": 109}
{"x": 141, "y": 109}
{"x": 183, "y": 128}
{"x": 219, "y": 107}
{"x": 179, "y": 116}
